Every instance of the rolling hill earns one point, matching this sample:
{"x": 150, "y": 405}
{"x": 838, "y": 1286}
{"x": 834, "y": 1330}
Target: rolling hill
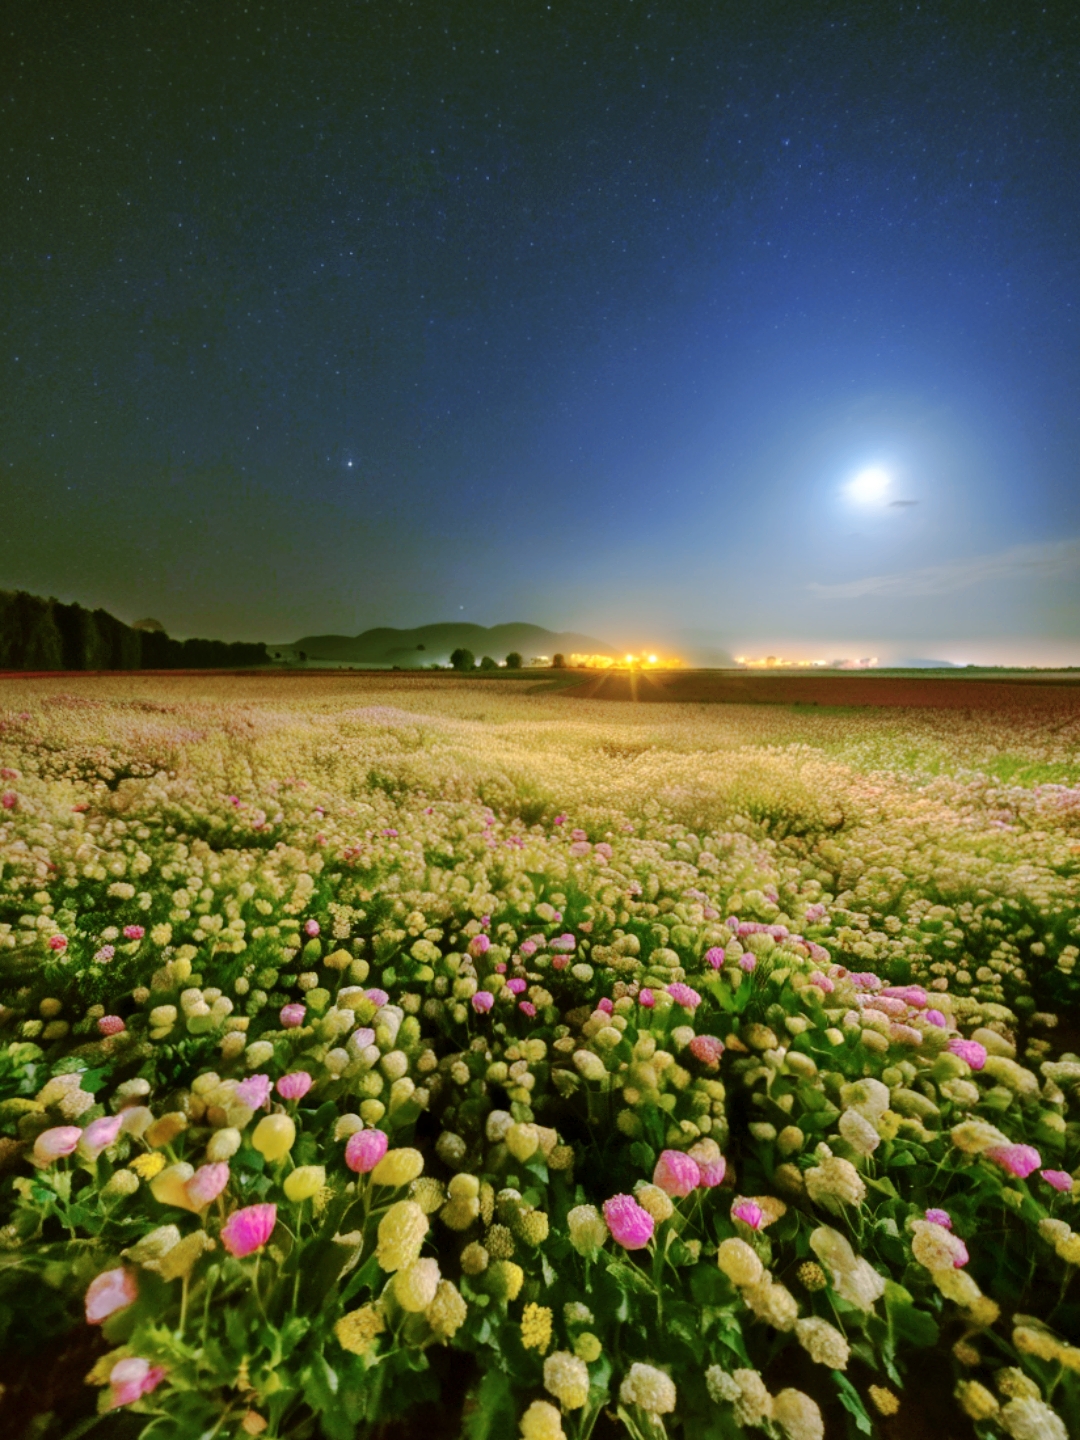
{"x": 432, "y": 644}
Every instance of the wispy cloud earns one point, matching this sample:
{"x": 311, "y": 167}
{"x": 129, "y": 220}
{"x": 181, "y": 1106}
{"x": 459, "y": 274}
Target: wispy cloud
{"x": 1022, "y": 562}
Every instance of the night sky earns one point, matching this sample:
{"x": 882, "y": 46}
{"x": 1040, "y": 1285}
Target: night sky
{"x": 321, "y": 316}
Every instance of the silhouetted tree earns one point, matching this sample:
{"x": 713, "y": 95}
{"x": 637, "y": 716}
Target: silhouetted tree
{"x": 558, "y": 662}
{"x": 513, "y": 661}
{"x": 463, "y": 659}
{"x": 487, "y": 663}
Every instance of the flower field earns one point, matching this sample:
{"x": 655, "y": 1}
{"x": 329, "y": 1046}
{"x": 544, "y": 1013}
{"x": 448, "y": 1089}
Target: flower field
{"x": 401, "y": 1055}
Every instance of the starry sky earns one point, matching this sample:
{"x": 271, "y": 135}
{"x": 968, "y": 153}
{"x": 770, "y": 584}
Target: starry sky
{"x": 587, "y": 313}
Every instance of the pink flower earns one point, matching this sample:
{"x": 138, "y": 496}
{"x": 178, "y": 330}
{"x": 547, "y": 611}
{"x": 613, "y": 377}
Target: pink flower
{"x": 1059, "y": 1179}
{"x": 707, "y": 1049}
{"x": 6, "y": 773}
{"x": 485, "y": 920}
{"x": 133, "y": 932}
{"x": 940, "y": 1217}
{"x": 479, "y": 945}
{"x": 249, "y": 1229}
{"x": 606, "y": 1005}
{"x": 822, "y": 982}
{"x": 559, "y": 820}
{"x": 935, "y": 1017}
{"x": 580, "y": 849}
{"x": 58, "y": 942}
{"x": 132, "y": 1378}
{"x": 712, "y": 1173}
{"x": 1018, "y": 1160}
{"x": 683, "y": 995}
{"x": 814, "y": 913}
{"x": 604, "y": 850}
{"x": 748, "y": 962}
{"x": 516, "y": 986}
{"x": 292, "y": 1015}
{"x": 52, "y": 1145}
{"x": 749, "y": 1212}
{"x": 105, "y": 954}
{"x": 364, "y": 1036}
{"x": 311, "y": 927}
{"x": 364, "y": 1150}
{"x": 206, "y": 1184}
{"x": 110, "y": 1291}
{"x": 482, "y": 1001}
{"x": 377, "y": 997}
{"x": 646, "y": 998}
{"x": 254, "y": 1092}
{"x": 99, "y": 1135}
{"x": 527, "y": 1008}
{"x": 564, "y": 943}
{"x": 676, "y": 1173}
{"x": 528, "y": 947}
{"x": 9, "y": 799}
{"x": 295, "y": 1085}
{"x": 111, "y": 1025}
{"x": 913, "y": 995}
{"x": 969, "y": 1050}
{"x": 630, "y": 1224}
{"x": 714, "y": 956}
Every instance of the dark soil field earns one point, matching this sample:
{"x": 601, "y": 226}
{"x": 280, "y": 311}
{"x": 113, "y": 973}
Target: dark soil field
{"x": 1051, "y": 691}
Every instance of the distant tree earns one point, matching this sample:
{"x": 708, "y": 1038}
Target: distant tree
{"x": 487, "y": 663}
{"x": 421, "y": 647}
{"x": 463, "y": 659}
{"x": 513, "y": 661}
{"x": 303, "y": 655}
{"x": 558, "y": 662}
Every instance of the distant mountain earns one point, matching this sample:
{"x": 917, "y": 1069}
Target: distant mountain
{"x": 433, "y": 644}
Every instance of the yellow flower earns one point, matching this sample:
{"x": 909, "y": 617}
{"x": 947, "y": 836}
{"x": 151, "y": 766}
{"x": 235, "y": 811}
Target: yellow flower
{"x": 147, "y": 1166}
{"x": 357, "y": 1331}
{"x": 398, "y": 1167}
{"x": 536, "y": 1327}
{"x": 739, "y": 1262}
{"x": 976, "y": 1400}
{"x": 885, "y": 1402}
{"x": 447, "y": 1311}
{"x": 274, "y": 1136}
{"x": 566, "y": 1377}
{"x": 542, "y": 1421}
{"x": 304, "y": 1182}
{"x": 416, "y": 1285}
{"x": 587, "y": 1347}
{"x": 401, "y": 1234}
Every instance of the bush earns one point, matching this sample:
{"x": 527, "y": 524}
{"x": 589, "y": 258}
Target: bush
{"x": 487, "y": 663}
{"x": 513, "y": 661}
{"x": 463, "y": 659}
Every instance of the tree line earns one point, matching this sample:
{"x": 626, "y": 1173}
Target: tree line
{"x": 40, "y": 634}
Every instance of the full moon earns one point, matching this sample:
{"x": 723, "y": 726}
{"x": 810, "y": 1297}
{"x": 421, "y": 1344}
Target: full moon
{"x": 868, "y": 485}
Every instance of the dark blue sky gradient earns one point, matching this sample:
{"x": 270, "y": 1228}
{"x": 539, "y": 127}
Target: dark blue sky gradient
{"x": 322, "y": 317}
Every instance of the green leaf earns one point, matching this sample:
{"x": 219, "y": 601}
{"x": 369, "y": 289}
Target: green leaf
{"x": 490, "y": 1410}
{"x": 852, "y": 1403}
